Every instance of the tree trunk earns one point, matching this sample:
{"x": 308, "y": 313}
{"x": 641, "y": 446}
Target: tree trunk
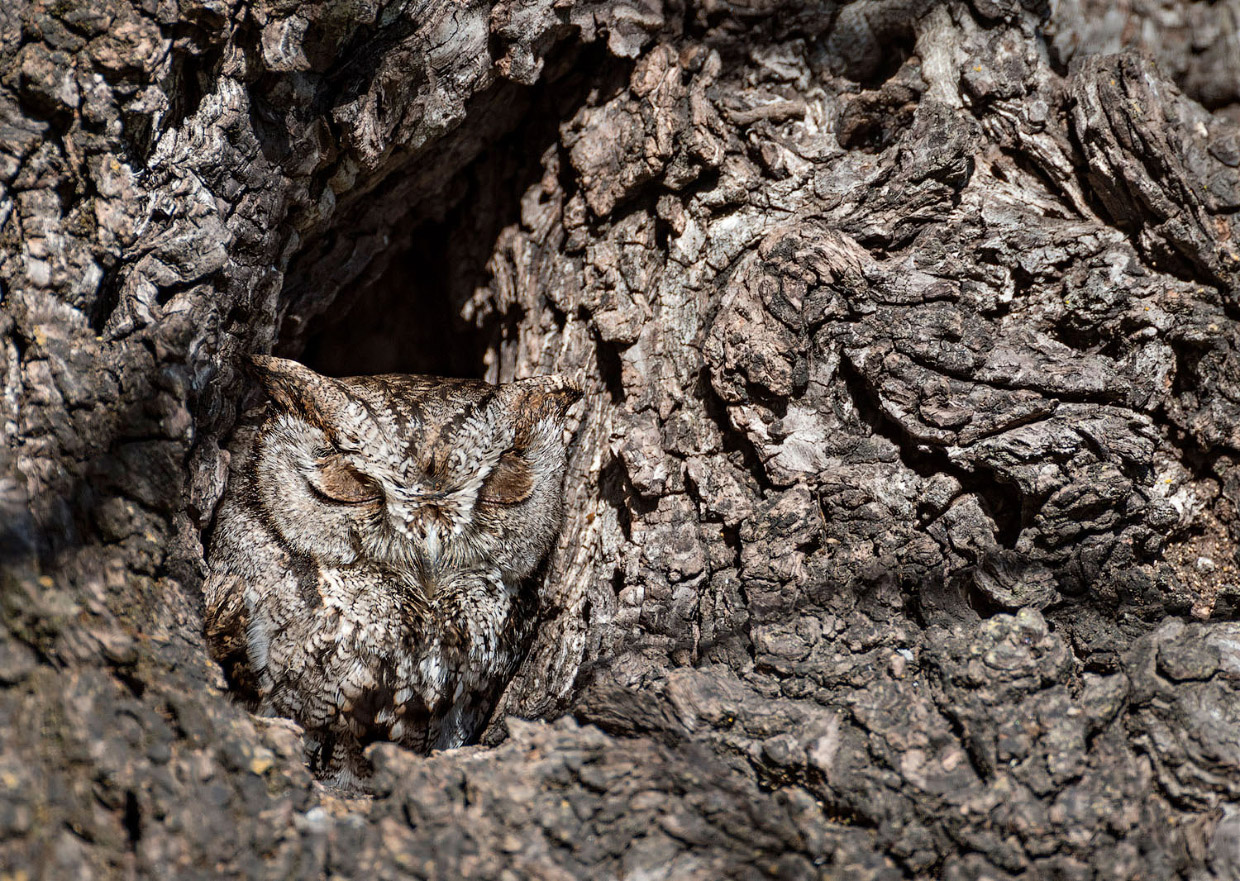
{"x": 903, "y": 516}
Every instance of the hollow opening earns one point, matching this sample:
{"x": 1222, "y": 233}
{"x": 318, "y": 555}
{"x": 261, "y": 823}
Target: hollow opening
{"x": 408, "y": 321}
{"x": 403, "y": 312}
{"x": 404, "y": 315}
{"x": 866, "y": 48}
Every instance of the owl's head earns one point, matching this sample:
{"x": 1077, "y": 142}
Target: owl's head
{"x": 424, "y": 475}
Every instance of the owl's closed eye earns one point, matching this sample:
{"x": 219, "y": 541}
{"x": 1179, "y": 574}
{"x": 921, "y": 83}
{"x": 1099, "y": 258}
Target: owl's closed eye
{"x": 338, "y": 481}
{"x": 511, "y": 481}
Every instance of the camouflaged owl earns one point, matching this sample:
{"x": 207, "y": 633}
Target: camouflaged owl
{"x": 373, "y": 559}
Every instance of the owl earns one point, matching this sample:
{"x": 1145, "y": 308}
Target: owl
{"x": 374, "y": 563}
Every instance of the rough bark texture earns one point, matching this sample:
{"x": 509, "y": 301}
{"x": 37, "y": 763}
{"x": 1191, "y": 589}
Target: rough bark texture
{"x": 903, "y": 518}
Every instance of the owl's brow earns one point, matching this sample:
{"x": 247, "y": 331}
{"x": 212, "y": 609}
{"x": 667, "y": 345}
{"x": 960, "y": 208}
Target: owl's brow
{"x": 348, "y": 445}
{"x": 398, "y": 406}
{"x": 447, "y": 429}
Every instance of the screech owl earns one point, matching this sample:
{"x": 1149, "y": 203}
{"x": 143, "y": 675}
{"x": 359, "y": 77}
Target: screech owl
{"x": 371, "y": 569}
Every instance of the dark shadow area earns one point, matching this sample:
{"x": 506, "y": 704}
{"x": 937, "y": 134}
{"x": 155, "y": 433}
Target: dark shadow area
{"x": 405, "y": 322}
{"x": 407, "y": 317}
{"x": 867, "y": 45}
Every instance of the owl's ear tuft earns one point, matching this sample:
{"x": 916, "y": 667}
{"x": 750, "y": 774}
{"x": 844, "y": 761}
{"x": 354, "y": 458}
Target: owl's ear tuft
{"x": 296, "y": 388}
{"x": 547, "y": 395}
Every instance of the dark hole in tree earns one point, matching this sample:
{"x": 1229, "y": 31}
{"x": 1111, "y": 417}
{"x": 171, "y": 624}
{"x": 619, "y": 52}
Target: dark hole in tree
{"x": 132, "y": 819}
{"x": 406, "y": 322}
{"x": 408, "y": 318}
{"x": 866, "y": 48}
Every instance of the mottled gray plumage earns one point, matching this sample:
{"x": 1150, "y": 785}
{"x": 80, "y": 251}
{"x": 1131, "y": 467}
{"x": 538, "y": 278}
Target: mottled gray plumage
{"x": 371, "y": 560}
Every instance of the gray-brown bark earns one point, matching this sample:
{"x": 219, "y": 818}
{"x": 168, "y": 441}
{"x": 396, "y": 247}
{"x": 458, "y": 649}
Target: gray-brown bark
{"x": 903, "y": 519}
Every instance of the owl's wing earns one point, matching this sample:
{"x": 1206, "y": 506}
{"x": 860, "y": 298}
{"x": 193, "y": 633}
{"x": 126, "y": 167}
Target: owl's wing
{"x": 226, "y": 623}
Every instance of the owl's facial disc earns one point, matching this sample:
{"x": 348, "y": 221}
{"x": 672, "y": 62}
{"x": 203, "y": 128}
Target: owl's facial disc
{"x": 422, "y": 476}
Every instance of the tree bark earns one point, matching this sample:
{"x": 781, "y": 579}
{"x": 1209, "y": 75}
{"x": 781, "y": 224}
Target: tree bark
{"x": 903, "y": 514}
